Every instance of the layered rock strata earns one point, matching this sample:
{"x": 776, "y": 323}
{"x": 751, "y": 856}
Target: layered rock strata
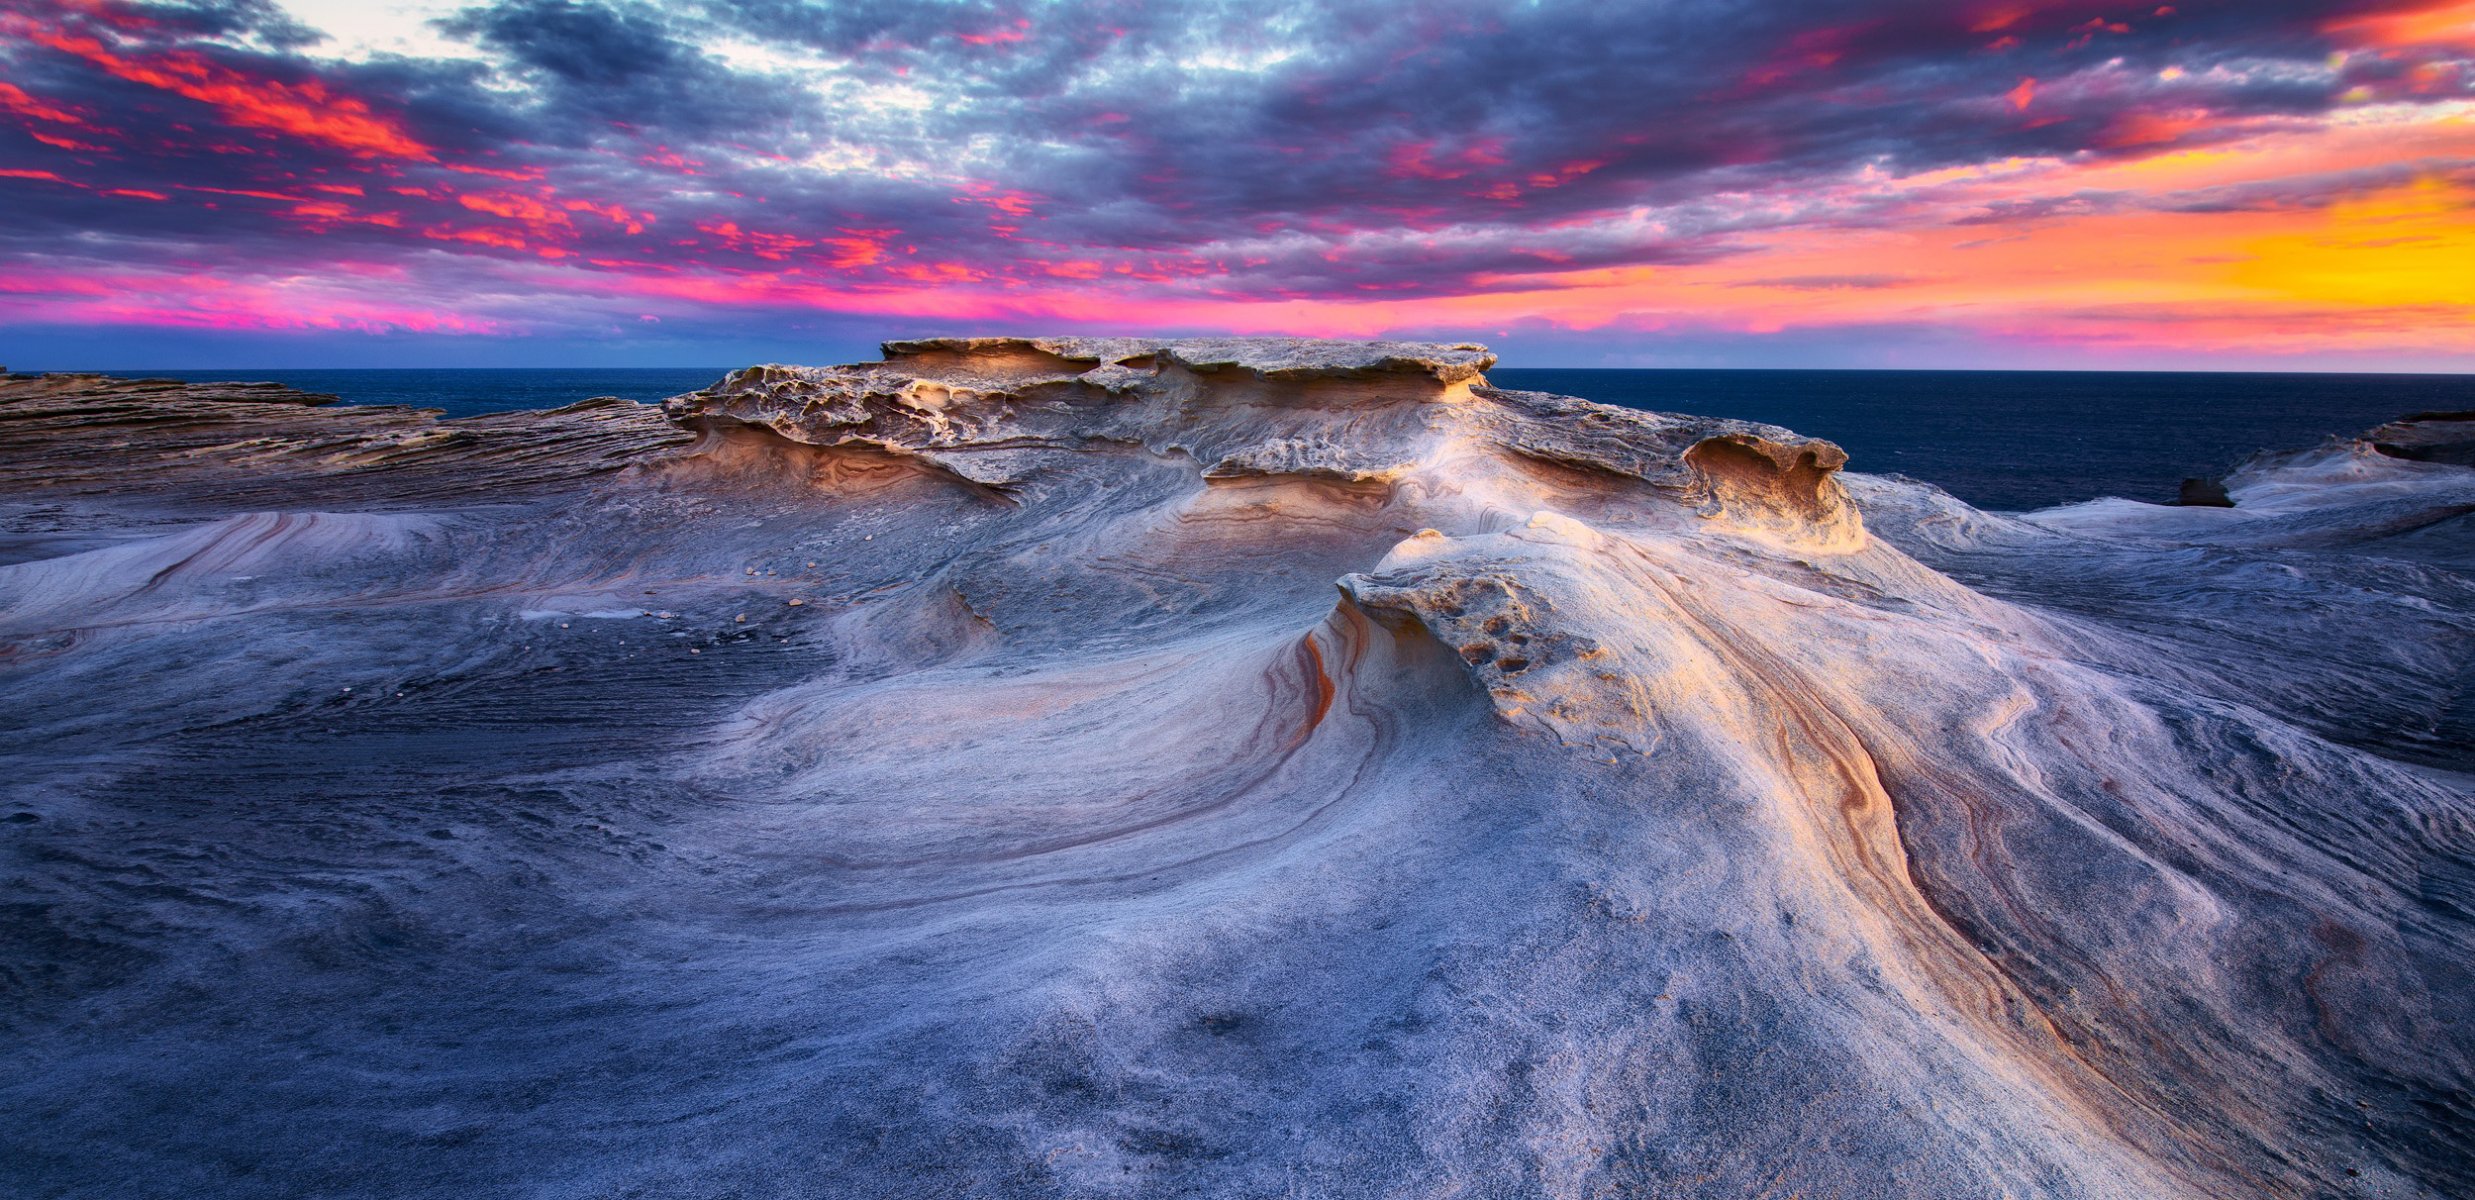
{"x": 1132, "y": 767}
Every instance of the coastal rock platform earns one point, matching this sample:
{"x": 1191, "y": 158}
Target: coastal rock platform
{"x": 1123, "y": 767}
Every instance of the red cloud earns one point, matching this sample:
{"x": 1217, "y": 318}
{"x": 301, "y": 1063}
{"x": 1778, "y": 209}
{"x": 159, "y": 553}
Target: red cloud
{"x": 1016, "y": 32}
{"x": 14, "y": 99}
{"x": 307, "y": 110}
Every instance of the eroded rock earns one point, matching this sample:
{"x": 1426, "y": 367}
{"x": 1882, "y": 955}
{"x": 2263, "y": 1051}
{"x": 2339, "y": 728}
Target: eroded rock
{"x": 2442, "y": 437}
{"x": 1129, "y": 767}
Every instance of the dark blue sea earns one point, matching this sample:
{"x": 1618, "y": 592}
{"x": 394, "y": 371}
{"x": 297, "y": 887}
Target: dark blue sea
{"x": 2008, "y": 440}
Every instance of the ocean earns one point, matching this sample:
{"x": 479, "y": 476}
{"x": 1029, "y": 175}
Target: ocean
{"x": 2005, "y": 440}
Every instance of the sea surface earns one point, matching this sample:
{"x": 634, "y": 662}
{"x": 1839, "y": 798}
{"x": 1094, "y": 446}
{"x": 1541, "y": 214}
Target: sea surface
{"x": 2008, "y": 440}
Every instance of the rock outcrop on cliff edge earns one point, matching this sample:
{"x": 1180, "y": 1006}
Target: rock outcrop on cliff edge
{"x": 1135, "y": 767}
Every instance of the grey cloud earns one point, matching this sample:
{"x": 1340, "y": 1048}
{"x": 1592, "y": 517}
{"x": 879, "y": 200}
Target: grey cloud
{"x": 1296, "y": 148}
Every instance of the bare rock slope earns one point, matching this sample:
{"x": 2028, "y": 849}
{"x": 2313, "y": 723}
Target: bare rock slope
{"x": 1124, "y": 767}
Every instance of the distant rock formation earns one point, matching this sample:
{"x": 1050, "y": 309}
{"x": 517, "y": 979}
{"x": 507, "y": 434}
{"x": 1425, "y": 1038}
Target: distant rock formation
{"x": 236, "y": 443}
{"x": 1136, "y": 767}
{"x": 2201, "y": 492}
{"x": 2444, "y": 437}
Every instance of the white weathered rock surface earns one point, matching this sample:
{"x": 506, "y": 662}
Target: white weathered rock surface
{"x": 1121, "y": 767}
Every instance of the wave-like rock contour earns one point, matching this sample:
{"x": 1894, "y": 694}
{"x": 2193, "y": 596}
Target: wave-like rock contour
{"x": 1132, "y": 767}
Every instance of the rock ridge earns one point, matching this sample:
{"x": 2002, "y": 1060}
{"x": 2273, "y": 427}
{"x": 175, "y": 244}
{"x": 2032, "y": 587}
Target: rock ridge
{"x": 991, "y": 411}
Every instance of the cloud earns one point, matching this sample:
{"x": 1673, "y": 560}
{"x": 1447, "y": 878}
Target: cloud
{"x": 1113, "y": 154}
{"x": 1828, "y": 283}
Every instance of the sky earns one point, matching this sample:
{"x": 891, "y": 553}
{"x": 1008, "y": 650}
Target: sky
{"x": 2246, "y": 184}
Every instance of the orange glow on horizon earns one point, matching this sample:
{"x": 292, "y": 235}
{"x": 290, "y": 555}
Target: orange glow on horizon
{"x": 2431, "y": 23}
{"x": 2407, "y": 247}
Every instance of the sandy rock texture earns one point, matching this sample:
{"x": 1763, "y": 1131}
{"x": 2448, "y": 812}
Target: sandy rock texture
{"x": 1121, "y": 767}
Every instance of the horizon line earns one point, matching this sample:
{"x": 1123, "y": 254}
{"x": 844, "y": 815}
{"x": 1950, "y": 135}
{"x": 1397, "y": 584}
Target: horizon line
{"x": 142, "y": 372}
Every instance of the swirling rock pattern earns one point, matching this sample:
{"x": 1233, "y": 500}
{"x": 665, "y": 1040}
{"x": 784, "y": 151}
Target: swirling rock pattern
{"x": 1125, "y": 767}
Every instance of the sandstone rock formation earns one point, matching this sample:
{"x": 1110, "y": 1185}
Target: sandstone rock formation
{"x": 1128, "y": 767}
{"x": 2447, "y": 437}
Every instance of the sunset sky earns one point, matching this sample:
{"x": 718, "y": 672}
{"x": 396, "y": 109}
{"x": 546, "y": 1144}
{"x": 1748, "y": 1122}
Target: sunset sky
{"x": 2277, "y": 184}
